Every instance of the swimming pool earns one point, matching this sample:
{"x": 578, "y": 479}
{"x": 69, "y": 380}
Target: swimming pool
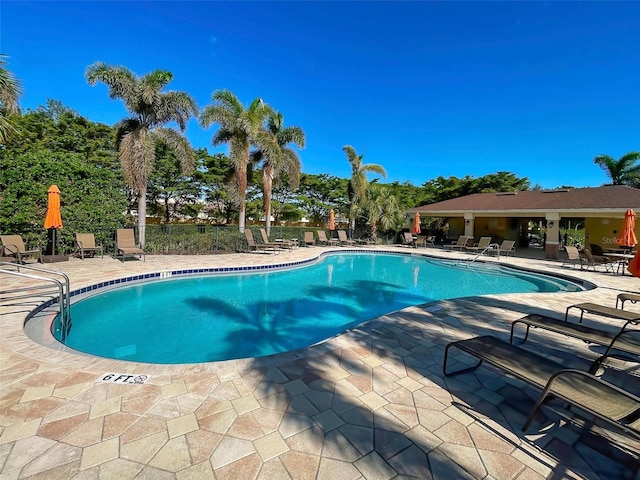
{"x": 220, "y": 317}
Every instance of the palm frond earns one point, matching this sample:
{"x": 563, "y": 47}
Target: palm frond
{"x": 180, "y": 147}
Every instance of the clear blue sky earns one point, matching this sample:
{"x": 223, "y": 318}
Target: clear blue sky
{"x": 425, "y": 89}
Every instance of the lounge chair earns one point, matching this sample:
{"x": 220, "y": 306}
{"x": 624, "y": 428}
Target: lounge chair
{"x": 14, "y": 247}
{"x": 126, "y": 245}
{"x": 584, "y": 392}
{"x": 603, "y": 310}
{"x": 257, "y": 247}
{"x": 505, "y": 248}
{"x": 342, "y": 238}
{"x": 430, "y": 241}
{"x": 573, "y": 256}
{"x": 591, "y": 260}
{"x": 626, "y": 339}
{"x": 408, "y": 240}
{"x": 460, "y": 243}
{"x": 627, "y": 297}
{"x": 309, "y": 240}
{"x": 86, "y": 245}
{"x": 322, "y": 238}
{"x": 481, "y": 246}
{"x": 279, "y": 244}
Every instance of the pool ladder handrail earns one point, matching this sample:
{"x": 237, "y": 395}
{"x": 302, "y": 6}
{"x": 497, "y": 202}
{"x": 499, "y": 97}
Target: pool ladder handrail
{"x": 492, "y": 246}
{"x": 63, "y": 288}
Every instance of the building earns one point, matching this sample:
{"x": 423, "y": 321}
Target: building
{"x": 508, "y": 215}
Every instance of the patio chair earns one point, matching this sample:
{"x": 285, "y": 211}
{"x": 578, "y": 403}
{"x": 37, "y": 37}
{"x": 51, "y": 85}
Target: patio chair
{"x": 322, "y": 238}
{"x": 126, "y": 245}
{"x": 481, "y": 246}
{"x": 583, "y": 392}
{"x": 627, "y": 297}
{"x": 86, "y": 244}
{"x": 257, "y": 247}
{"x": 593, "y": 261}
{"x": 14, "y": 247}
{"x": 460, "y": 243}
{"x": 342, "y": 238}
{"x": 282, "y": 243}
{"x": 505, "y": 248}
{"x": 625, "y": 339}
{"x": 309, "y": 240}
{"x": 573, "y": 256}
{"x": 408, "y": 240}
{"x": 430, "y": 241}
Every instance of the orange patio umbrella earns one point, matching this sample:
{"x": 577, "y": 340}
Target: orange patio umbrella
{"x": 53, "y": 218}
{"x": 634, "y": 265}
{"x": 627, "y": 237}
{"x": 416, "y": 223}
{"x": 332, "y": 220}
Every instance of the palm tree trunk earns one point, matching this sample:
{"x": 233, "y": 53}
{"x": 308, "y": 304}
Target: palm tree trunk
{"x": 142, "y": 215}
{"x": 267, "y": 187}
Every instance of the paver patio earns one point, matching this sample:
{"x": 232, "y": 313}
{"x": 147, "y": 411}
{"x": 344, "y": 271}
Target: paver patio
{"x": 369, "y": 403}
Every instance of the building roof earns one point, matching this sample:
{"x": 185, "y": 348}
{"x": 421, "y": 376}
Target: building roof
{"x": 609, "y": 201}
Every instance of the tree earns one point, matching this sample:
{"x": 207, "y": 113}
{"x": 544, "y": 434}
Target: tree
{"x": 240, "y": 128}
{"x": 358, "y": 182}
{"x": 9, "y": 93}
{"x": 624, "y": 171}
{"x": 287, "y": 160}
{"x": 320, "y": 193}
{"x": 150, "y": 109}
{"x": 381, "y": 209}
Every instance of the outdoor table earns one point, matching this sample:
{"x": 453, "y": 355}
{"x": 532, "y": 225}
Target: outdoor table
{"x": 623, "y": 260}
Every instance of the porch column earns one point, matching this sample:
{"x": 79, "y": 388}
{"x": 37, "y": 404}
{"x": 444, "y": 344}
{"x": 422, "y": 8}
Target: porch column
{"x": 552, "y": 243}
{"x": 469, "y": 224}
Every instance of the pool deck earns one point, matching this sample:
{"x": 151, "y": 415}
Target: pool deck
{"x": 371, "y": 403}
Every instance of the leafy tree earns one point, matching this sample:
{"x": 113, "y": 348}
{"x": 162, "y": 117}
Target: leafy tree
{"x": 287, "y": 160}
{"x": 10, "y": 91}
{"x": 213, "y": 174}
{"x": 320, "y": 193}
{"x": 92, "y": 197}
{"x": 624, "y": 171}
{"x": 358, "y": 182}
{"x": 150, "y": 109}
{"x": 170, "y": 192}
{"x": 240, "y": 128}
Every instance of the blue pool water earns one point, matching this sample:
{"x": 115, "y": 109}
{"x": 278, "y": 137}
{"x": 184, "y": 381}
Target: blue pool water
{"x": 221, "y": 317}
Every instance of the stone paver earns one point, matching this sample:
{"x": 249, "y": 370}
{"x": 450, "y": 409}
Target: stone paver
{"x": 370, "y": 403}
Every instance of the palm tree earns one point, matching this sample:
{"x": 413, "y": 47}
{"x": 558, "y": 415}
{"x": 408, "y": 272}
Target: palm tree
{"x": 9, "y": 93}
{"x": 358, "y": 182}
{"x": 623, "y": 171}
{"x": 240, "y": 128}
{"x": 137, "y": 136}
{"x": 286, "y": 162}
{"x": 381, "y": 209}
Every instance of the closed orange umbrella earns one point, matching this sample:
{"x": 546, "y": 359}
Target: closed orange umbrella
{"x": 53, "y": 219}
{"x": 627, "y": 237}
{"x": 332, "y": 220}
{"x": 634, "y": 265}
{"x": 416, "y": 223}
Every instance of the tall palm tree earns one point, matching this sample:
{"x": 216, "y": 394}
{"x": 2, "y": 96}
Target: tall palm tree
{"x": 287, "y": 160}
{"x": 240, "y": 128}
{"x": 624, "y": 171}
{"x": 358, "y": 181}
{"x": 150, "y": 109}
{"x": 9, "y": 93}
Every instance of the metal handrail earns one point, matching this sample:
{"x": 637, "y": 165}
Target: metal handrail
{"x": 63, "y": 293}
{"x": 492, "y": 246}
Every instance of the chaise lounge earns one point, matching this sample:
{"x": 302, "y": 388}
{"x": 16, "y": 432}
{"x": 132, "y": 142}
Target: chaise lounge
{"x": 126, "y": 245}
{"x": 14, "y": 247}
{"x": 584, "y": 392}
{"x": 86, "y": 245}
